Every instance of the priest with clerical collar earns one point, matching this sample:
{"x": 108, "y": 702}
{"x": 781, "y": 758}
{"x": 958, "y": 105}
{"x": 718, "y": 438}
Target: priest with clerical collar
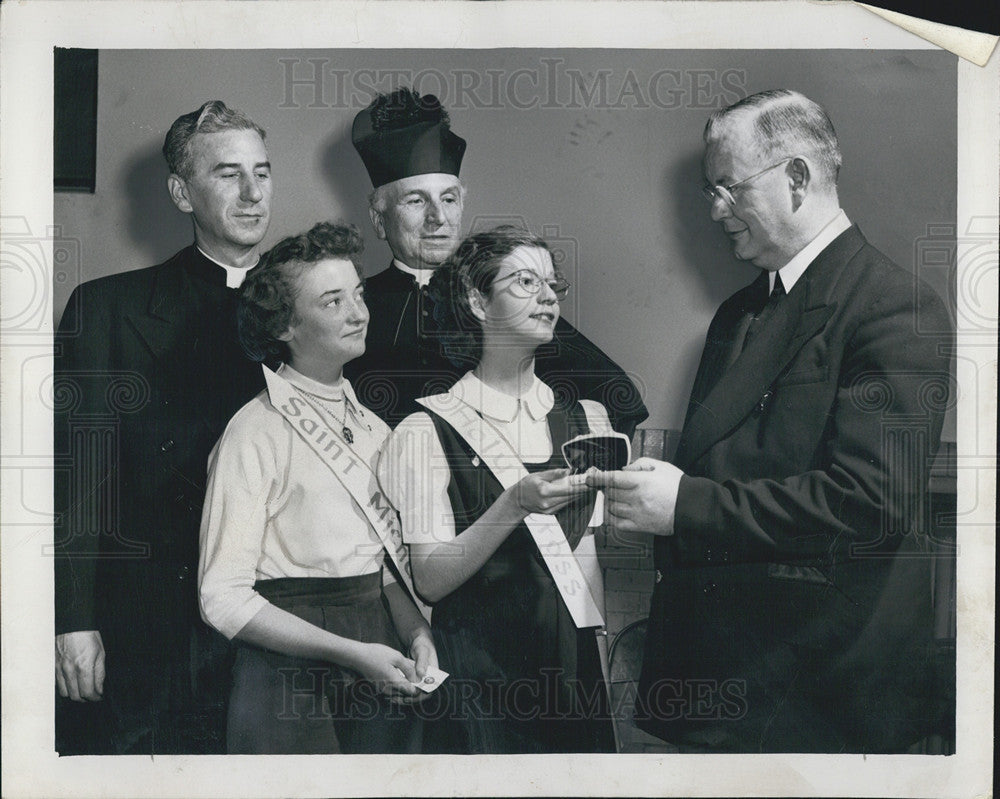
{"x": 413, "y": 158}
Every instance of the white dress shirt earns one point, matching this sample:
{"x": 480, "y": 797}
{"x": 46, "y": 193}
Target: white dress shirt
{"x": 794, "y": 269}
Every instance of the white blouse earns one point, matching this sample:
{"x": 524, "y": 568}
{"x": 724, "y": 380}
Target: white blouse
{"x": 414, "y": 471}
{"x": 273, "y": 509}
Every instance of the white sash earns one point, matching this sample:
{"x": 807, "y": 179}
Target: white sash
{"x": 500, "y": 458}
{"x": 597, "y": 417}
{"x": 353, "y": 472}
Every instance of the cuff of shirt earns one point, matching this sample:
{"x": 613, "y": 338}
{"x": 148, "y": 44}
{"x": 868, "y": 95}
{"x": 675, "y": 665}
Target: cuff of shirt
{"x": 231, "y": 620}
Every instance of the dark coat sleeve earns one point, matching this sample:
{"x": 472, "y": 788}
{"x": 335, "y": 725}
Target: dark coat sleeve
{"x": 78, "y": 480}
{"x": 849, "y": 443}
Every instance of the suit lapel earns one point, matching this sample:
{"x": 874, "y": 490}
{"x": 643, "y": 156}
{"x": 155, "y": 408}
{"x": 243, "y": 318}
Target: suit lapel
{"x": 168, "y": 311}
{"x": 741, "y": 387}
{"x": 723, "y": 345}
{"x": 171, "y": 330}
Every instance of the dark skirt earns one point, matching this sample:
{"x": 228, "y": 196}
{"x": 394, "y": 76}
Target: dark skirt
{"x": 524, "y": 678}
{"x": 286, "y": 705}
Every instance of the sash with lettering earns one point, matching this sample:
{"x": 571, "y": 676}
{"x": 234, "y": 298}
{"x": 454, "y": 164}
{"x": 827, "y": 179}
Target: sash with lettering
{"x": 360, "y": 483}
{"x": 501, "y": 459}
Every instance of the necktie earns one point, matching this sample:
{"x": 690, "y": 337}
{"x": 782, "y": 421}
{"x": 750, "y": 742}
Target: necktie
{"x": 758, "y": 321}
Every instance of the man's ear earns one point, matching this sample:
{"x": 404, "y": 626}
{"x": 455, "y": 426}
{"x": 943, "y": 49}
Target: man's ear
{"x": 287, "y": 335}
{"x": 798, "y": 172}
{"x": 799, "y": 178}
{"x": 177, "y": 188}
{"x": 377, "y": 223}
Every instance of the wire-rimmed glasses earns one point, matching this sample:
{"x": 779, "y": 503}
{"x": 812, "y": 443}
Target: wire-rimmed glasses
{"x": 528, "y": 284}
{"x": 725, "y": 193}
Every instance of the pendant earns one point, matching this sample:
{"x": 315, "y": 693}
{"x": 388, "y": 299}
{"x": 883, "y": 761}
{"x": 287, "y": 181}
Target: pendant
{"x": 348, "y": 435}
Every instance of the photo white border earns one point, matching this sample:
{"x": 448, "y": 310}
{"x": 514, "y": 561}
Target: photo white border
{"x": 29, "y": 30}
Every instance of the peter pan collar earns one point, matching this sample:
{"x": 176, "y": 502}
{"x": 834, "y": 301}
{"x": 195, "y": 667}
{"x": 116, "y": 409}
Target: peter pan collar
{"x": 538, "y": 399}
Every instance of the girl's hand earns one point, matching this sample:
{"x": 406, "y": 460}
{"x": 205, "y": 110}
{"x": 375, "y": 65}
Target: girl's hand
{"x": 391, "y": 672}
{"x": 548, "y": 491}
{"x": 423, "y": 653}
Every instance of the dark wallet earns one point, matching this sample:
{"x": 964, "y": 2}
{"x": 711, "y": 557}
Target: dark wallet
{"x": 605, "y": 451}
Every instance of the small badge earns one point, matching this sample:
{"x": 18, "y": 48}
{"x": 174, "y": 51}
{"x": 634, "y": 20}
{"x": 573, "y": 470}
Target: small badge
{"x": 475, "y": 461}
{"x": 432, "y": 680}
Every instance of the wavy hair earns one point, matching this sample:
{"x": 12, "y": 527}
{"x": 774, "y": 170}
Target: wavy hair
{"x": 474, "y": 265}
{"x": 267, "y": 296}
{"x": 212, "y": 117}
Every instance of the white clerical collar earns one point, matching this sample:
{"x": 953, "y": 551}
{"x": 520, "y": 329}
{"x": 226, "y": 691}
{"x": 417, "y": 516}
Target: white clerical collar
{"x": 333, "y": 393}
{"x": 794, "y": 269}
{"x": 537, "y": 399}
{"x": 422, "y": 276}
{"x": 234, "y": 274}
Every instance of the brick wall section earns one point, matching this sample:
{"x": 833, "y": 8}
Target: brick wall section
{"x": 628, "y": 559}
{"x": 627, "y": 563}
{"x": 628, "y": 580}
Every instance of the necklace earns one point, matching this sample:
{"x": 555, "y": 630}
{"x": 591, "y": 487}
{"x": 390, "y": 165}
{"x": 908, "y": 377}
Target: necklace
{"x": 345, "y": 431}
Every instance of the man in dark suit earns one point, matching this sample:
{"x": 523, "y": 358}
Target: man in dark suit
{"x": 413, "y": 158}
{"x": 148, "y": 372}
{"x": 792, "y": 605}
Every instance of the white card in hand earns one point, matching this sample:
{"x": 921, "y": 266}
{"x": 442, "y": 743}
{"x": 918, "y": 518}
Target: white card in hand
{"x": 597, "y": 517}
{"x": 432, "y": 680}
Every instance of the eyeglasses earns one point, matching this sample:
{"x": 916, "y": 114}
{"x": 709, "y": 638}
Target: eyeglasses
{"x": 528, "y": 284}
{"x": 713, "y": 193}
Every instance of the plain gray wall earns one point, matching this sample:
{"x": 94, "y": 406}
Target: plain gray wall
{"x": 597, "y": 149}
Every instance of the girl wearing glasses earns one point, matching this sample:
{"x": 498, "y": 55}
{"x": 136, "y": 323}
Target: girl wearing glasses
{"x": 468, "y": 472}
